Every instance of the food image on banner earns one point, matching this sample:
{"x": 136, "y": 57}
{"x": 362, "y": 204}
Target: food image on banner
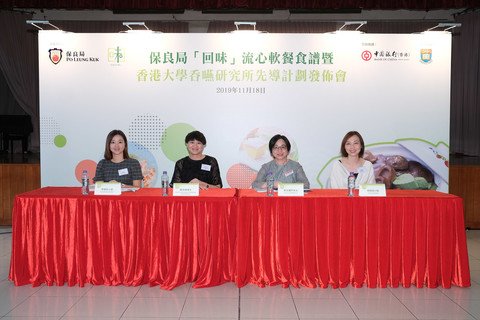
{"x": 409, "y": 164}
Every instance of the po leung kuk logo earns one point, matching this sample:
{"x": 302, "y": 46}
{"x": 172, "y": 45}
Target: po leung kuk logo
{"x": 55, "y": 55}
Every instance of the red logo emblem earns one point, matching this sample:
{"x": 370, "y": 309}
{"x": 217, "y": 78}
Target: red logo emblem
{"x": 55, "y": 55}
{"x": 366, "y": 55}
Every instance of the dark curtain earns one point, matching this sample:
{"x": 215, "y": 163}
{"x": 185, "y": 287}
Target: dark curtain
{"x": 117, "y": 26}
{"x": 242, "y": 4}
{"x": 278, "y": 26}
{"x": 465, "y": 99}
{"x": 322, "y": 27}
{"x": 19, "y": 65}
{"x": 8, "y": 103}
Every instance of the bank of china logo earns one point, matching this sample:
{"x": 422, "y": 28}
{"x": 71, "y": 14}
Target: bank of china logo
{"x": 116, "y": 55}
{"x": 426, "y": 55}
{"x": 55, "y": 55}
{"x": 366, "y": 55}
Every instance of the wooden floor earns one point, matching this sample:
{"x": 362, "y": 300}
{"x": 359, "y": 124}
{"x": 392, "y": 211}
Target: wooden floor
{"x": 24, "y": 176}
{"x": 15, "y": 179}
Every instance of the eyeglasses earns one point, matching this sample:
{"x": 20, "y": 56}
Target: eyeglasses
{"x": 282, "y": 147}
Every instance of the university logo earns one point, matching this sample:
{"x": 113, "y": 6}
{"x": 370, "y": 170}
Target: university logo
{"x": 116, "y": 55}
{"x": 426, "y": 55}
{"x": 55, "y": 55}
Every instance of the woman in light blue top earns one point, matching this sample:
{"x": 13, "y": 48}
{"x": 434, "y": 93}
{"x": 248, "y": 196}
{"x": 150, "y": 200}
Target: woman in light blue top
{"x": 282, "y": 168}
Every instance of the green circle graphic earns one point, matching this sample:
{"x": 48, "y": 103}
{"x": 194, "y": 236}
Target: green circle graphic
{"x": 173, "y": 144}
{"x": 60, "y": 141}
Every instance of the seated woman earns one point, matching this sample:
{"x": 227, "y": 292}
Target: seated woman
{"x": 282, "y": 168}
{"x": 197, "y": 167}
{"x": 117, "y": 166}
{"x": 351, "y": 149}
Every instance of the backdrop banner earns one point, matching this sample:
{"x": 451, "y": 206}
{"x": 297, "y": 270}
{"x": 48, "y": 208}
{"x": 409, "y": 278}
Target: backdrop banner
{"x": 240, "y": 89}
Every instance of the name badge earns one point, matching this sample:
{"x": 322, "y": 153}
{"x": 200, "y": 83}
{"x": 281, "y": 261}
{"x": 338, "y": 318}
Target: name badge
{"x": 206, "y": 167}
{"x": 122, "y": 172}
{"x": 288, "y": 173}
{"x": 372, "y": 190}
{"x": 108, "y": 188}
{"x": 290, "y": 189}
{"x": 186, "y": 189}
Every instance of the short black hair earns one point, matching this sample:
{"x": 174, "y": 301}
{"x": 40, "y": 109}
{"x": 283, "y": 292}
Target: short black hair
{"x": 350, "y": 134}
{"x": 195, "y": 135}
{"x": 274, "y": 140}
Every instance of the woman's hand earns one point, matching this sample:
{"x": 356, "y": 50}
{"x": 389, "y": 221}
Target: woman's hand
{"x": 201, "y": 184}
{"x": 136, "y": 184}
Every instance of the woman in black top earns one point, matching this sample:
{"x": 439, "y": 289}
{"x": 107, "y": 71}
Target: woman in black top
{"x": 197, "y": 167}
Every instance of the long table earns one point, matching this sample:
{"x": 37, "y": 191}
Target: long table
{"x": 227, "y": 235}
{"x": 329, "y": 239}
{"x": 60, "y": 236}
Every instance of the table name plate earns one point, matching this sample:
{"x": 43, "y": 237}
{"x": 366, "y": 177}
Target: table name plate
{"x": 290, "y": 189}
{"x": 108, "y": 188}
{"x": 186, "y": 189}
{"x": 372, "y": 190}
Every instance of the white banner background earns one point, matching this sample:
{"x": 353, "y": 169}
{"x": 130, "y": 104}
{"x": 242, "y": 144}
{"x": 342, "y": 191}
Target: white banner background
{"x": 400, "y": 104}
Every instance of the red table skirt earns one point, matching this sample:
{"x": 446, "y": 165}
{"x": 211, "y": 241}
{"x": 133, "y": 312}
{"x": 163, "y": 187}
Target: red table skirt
{"x": 329, "y": 239}
{"x": 322, "y": 239}
{"x": 60, "y": 236}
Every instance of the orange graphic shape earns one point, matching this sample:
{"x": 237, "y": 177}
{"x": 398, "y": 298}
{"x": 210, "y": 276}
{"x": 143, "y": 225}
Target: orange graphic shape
{"x": 240, "y": 176}
{"x": 89, "y": 165}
